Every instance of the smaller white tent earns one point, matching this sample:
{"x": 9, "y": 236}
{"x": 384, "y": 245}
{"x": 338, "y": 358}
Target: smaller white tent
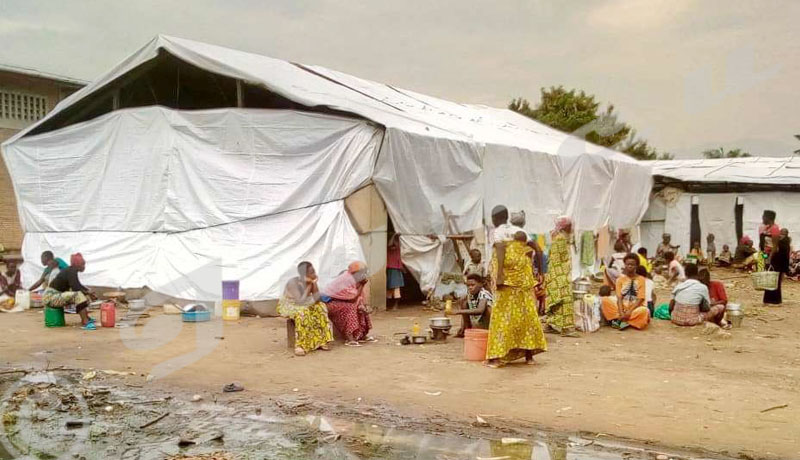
{"x": 721, "y": 188}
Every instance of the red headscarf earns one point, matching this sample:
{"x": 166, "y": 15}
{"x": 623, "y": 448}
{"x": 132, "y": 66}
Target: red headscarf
{"x": 76, "y": 260}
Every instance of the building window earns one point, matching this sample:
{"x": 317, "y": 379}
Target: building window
{"x": 20, "y": 106}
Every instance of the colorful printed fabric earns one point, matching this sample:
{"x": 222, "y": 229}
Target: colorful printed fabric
{"x": 55, "y": 299}
{"x": 312, "y": 328}
{"x": 350, "y": 318}
{"x": 515, "y": 325}
{"x": 587, "y": 249}
{"x": 559, "y": 286}
{"x": 690, "y": 315}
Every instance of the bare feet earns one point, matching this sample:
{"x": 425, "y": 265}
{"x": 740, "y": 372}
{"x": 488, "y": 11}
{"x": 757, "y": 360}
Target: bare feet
{"x": 298, "y": 351}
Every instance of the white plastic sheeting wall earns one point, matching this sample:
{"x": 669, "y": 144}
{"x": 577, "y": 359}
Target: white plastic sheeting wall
{"x": 149, "y": 193}
{"x": 718, "y": 216}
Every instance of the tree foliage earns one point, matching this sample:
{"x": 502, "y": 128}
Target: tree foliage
{"x": 721, "y": 153}
{"x": 579, "y": 113}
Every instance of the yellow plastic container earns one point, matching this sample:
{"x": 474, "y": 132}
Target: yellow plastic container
{"x": 231, "y": 309}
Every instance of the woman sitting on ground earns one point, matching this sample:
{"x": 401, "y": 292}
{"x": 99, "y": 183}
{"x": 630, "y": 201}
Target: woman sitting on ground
{"x": 675, "y": 271}
{"x": 725, "y": 258}
{"x": 717, "y": 294}
{"x": 691, "y": 303}
{"x": 631, "y": 306}
{"x": 10, "y": 280}
{"x": 745, "y": 255}
{"x": 301, "y": 303}
{"x": 66, "y": 290}
{"x": 347, "y": 309}
{"x": 476, "y": 309}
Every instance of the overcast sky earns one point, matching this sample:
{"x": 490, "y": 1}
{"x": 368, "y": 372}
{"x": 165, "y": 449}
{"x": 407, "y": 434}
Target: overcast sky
{"x": 688, "y": 75}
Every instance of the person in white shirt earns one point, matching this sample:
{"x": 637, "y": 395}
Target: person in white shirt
{"x": 649, "y": 289}
{"x": 691, "y": 303}
{"x": 675, "y": 271}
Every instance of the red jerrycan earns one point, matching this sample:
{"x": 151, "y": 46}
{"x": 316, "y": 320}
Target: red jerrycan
{"x": 108, "y": 314}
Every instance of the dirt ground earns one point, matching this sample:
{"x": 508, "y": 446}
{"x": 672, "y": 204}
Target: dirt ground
{"x": 672, "y": 386}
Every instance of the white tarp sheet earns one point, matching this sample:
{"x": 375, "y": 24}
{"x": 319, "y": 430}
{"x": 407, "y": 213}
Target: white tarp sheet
{"x": 749, "y": 170}
{"x": 718, "y": 216}
{"x": 435, "y": 153}
{"x": 241, "y": 186}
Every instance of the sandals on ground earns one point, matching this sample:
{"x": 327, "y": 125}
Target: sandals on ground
{"x": 298, "y": 351}
{"x": 352, "y": 343}
{"x": 369, "y": 339}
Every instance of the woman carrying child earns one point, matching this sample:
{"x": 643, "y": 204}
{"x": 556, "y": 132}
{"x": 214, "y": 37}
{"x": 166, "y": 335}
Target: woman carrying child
{"x": 515, "y": 330}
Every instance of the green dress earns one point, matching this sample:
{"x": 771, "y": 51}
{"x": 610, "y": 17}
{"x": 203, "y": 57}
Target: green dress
{"x": 558, "y": 283}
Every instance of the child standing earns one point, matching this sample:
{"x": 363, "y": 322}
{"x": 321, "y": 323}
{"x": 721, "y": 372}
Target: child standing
{"x": 394, "y": 273}
{"x": 711, "y": 249}
{"x": 475, "y": 265}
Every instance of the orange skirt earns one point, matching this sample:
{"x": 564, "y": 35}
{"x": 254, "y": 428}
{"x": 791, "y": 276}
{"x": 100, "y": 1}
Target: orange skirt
{"x": 639, "y": 317}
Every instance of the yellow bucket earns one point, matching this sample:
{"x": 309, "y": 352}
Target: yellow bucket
{"x": 230, "y": 310}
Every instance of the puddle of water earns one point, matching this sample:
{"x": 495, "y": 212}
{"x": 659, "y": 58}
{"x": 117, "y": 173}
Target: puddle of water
{"x": 115, "y": 419}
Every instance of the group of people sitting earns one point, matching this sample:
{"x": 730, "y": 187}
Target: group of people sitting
{"x": 60, "y": 285}
{"x": 315, "y": 312}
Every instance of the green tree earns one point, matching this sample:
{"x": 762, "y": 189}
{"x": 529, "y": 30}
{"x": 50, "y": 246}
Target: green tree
{"x": 578, "y": 113}
{"x": 721, "y": 153}
{"x": 641, "y": 150}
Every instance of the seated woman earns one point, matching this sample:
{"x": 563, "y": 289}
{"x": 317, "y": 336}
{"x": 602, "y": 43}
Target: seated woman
{"x": 676, "y": 273}
{"x": 10, "y": 280}
{"x": 52, "y": 265}
{"x": 725, "y": 258}
{"x": 66, "y": 290}
{"x": 717, "y": 294}
{"x": 631, "y": 306}
{"x": 476, "y": 309}
{"x": 691, "y": 304}
{"x": 697, "y": 252}
{"x": 745, "y": 255}
{"x": 347, "y": 308}
{"x": 301, "y": 303}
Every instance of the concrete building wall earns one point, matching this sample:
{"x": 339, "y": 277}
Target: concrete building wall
{"x": 24, "y": 99}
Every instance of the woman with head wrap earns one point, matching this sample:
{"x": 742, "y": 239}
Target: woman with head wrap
{"x": 558, "y": 281}
{"x": 347, "y": 309}
{"x": 301, "y": 303}
{"x": 515, "y": 331}
{"x": 66, "y": 290}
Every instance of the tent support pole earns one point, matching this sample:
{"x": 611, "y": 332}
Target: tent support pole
{"x": 239, "y": 94}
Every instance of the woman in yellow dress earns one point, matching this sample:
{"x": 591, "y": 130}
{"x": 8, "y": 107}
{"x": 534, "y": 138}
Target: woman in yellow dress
{"x": 515, "y": 331}
{"x": 558, "y": 280}
{"x": 301, "y": 302}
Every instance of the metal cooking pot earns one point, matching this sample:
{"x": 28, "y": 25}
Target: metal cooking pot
{"x": 441, "y": 321}
{"x": 733, "y": 307}
{"x": 735, "y": 317}
{"x": 583, "y": 285}
{"x": 419, "y": 339}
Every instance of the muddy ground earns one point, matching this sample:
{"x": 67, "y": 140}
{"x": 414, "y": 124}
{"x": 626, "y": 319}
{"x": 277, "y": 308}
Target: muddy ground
{"x": 672, "y": 388}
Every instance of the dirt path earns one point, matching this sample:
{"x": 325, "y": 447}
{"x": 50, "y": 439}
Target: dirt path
{"x": 671, "y": 385}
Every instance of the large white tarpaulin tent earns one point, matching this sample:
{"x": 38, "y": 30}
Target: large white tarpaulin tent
{"x": 721, "y": 188}
{"x": 150, "y": 193}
